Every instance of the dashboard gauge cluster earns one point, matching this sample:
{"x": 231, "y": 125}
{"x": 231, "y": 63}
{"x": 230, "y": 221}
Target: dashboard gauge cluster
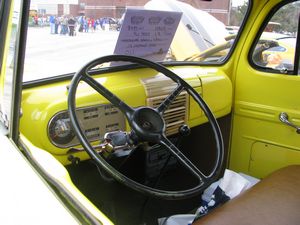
{"x": 95, "y": 121}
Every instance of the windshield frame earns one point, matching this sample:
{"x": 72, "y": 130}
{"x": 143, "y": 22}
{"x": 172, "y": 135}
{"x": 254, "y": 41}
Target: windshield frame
{"x": 68, "y": 76}
{"x": 18, "y": 70}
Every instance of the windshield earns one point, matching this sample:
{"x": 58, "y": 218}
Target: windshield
{"x": 63, "y": 35}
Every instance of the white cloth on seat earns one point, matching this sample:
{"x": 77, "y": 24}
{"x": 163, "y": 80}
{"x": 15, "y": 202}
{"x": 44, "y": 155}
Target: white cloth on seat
{"x": 231, "y": 185}
{"x": 180, "y": 219}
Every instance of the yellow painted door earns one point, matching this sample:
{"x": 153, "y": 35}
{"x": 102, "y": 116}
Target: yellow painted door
{"x": 267, "y": 84}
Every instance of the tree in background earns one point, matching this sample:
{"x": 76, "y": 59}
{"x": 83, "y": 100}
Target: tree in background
{"x": 287, "y": 17}
{"x": 237, "y": 14}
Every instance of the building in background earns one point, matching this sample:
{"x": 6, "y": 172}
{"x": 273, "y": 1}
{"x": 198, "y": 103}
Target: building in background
{"x": 116, "y": 8}
{"x": 219, "y": 9}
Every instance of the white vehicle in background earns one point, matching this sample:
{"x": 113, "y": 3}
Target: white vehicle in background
{"x": 232, "y": 29}
{"x": 195, "y": 28}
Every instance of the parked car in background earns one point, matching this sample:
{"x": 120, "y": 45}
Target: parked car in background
{"x": 281, "y": 55}
{"x": 109, "y": 23}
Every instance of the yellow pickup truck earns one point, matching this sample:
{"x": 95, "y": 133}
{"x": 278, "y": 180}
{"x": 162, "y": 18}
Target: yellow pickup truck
{"x": 110, "y": 127}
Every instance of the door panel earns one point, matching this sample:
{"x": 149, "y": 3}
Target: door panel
{"x": 258, "y": 104}
{"x": 260, "y": 142}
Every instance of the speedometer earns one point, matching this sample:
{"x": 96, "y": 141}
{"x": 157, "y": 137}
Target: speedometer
{"x": 60, "y": 130}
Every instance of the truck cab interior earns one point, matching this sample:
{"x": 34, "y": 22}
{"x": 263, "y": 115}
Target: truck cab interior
{"x": 125, "y": 126}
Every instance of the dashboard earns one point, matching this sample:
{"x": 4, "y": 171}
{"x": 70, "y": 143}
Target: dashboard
{"x": 45, "y": 120}
{"x": 95, "y": 121}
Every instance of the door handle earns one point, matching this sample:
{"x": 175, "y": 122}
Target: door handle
{"x": 283, "y": 117}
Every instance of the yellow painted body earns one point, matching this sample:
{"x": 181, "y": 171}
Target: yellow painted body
{"x": 260, "y": 143}
{"x": 41, "y": 103}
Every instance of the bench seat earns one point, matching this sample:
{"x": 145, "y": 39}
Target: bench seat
{"x": 273, "y": 201}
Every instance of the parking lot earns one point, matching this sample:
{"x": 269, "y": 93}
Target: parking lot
{"x": 54, "y": 54}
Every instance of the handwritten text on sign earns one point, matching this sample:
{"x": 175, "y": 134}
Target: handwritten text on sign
{"x": 147, "y": 33}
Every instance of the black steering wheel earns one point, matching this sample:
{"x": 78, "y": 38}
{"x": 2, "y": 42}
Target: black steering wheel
{"x": 147, "y": 125}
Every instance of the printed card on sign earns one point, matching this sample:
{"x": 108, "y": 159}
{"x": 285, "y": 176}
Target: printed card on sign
{"x": 147, "y": 33}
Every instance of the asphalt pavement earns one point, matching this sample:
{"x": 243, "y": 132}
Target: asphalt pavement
{"x": 54, "y": 54}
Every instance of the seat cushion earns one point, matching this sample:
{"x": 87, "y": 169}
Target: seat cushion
{"x": 273, "y": 201}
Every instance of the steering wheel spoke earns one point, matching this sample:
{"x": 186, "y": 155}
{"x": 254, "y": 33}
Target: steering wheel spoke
{"x": 183, "y": 159}
{"x": 126, "y": 109}
{"x": 168, "y": 101}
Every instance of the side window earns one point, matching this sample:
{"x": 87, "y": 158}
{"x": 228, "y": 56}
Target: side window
{"x": 275, "y": 49}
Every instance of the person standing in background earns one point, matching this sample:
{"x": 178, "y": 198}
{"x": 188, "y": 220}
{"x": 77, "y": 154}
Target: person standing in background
{"x": 71, "y": 24}
{"x": 85, "y": 25}
{"x": 64, "y": 25}
{"x": 36, "y": 20}
{"x": 52, "y": 24}
{"x": 56, "y": 25}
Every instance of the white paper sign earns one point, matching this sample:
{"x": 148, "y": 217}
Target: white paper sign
{"x": 147, "y": 33}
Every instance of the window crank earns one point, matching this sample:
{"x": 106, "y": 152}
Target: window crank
{"x": 283, "y": 117}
